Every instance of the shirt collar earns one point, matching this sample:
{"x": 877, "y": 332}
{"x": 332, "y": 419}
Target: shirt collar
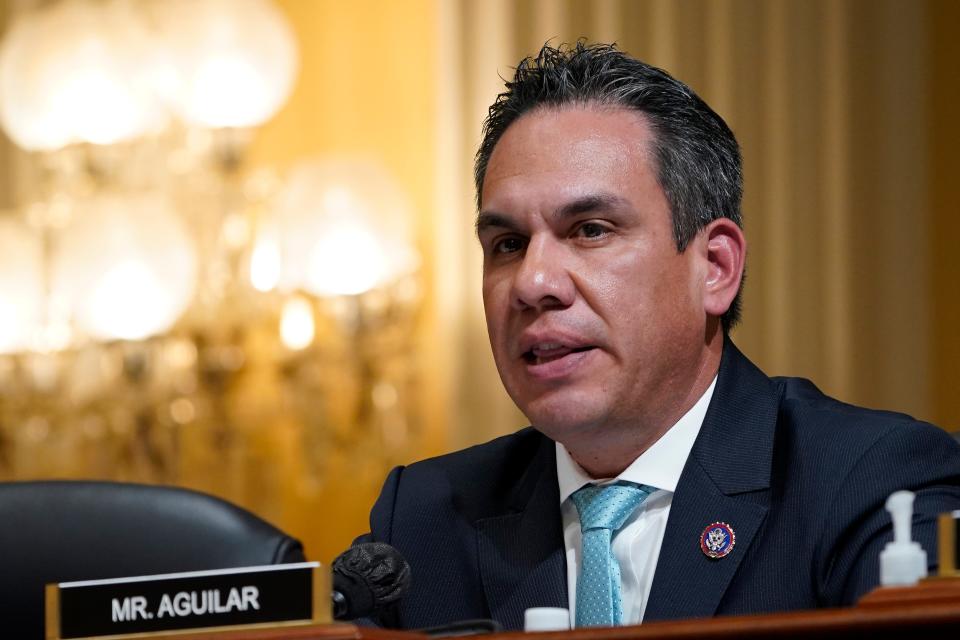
{"x": 659, "y": 466}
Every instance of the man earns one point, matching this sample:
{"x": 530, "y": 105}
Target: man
{"x": 664, "y": 475}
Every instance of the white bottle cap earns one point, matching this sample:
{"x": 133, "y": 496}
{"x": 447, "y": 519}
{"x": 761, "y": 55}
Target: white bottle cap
{"x": 546, "y": 619}
{"x": 902, "y": 562}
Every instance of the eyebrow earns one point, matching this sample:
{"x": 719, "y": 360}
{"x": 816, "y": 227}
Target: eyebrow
{"x": 585, "y": 204}
{"x": 487, "y": 219}
{"x": 592, "y": 202}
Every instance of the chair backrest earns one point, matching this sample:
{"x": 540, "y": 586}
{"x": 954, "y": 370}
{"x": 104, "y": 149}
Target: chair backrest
{"x": 59, "y": 531}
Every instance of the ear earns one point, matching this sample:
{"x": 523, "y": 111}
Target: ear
{"x": 726, "y": 255}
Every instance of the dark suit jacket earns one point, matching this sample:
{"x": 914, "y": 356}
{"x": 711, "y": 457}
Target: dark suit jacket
{"x": 800, "y": 477}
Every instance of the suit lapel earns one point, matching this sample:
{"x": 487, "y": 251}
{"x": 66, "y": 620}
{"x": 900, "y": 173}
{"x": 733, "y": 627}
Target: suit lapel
{"x": 726, "y": 479}
{"x": 521, "y": 552}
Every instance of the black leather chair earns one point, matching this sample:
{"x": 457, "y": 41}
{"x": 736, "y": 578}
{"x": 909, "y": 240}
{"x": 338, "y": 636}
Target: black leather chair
{"x": 59, "y": 531}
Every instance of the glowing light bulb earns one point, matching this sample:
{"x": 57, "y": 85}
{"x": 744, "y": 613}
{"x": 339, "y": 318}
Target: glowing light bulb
{"x": 296, "y": 323}
{"x": 123, "y": 301}
{"x": 21, "y": 285}
{"x": 266, "y": 265}
{"x": 80, "y": 71}
{"x": 127, "y": 267}
{"x": 344, "y": 228}
{"x": 236, "y": 60}
{"x": 346, "y": 260}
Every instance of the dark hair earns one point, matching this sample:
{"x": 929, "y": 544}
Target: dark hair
{"x": 699, "y": 166}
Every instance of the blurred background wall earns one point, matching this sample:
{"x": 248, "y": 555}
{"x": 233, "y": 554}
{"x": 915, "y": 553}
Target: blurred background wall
{"x": 281, "y": 388}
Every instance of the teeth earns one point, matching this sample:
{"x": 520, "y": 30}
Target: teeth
{"x": 547, "y": 351}
{"x": 548, "y": 348}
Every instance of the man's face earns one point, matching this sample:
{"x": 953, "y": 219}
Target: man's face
{"x": 596, "y": 321}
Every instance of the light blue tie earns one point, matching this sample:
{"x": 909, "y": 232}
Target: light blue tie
{"x": 603, "y": 510}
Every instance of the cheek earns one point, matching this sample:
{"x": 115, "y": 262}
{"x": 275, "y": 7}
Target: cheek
{"x": 642, "y": 294}
{"x": 623, "y": 286}
{"x": 608, "y": 280}
{"x": 496, "y": 306}
{"x": 675, "y": 278}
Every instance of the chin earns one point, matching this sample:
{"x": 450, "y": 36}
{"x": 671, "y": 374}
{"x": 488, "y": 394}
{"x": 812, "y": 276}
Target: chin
{"x": 559, "y": 419}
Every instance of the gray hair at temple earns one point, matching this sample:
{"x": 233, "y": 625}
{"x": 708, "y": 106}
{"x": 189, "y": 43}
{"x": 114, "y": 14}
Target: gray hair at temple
{"x": 699, "y": 166}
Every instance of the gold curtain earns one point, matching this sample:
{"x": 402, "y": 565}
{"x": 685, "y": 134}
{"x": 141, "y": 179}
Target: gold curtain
{"x": 943, "y": 105}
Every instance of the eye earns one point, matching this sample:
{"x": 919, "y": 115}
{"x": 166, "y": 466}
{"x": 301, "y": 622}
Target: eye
{"x": 591, "y": 230}
{"x": 509, "y": 244}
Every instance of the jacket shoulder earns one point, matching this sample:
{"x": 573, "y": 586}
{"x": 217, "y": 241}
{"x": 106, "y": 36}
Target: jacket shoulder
{"x": 802, "y": 403}
{"x": 481, "y": 480}
{"x": 851, "y": 446}
{"x": 504, "y": 450}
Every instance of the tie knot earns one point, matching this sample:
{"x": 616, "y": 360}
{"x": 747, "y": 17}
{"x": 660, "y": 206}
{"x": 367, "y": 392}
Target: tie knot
{"x": 608, "y": 506}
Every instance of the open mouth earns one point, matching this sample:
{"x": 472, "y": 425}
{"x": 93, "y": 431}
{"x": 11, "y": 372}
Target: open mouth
{"x": 548, "y": 353}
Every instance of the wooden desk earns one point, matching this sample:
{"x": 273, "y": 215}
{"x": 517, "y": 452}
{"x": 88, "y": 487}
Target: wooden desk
{"x": 930, "y": 610}
{"x": 296, "y": 632}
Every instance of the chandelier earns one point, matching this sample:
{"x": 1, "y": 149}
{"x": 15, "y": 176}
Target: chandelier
{"x": 163, "y": 305}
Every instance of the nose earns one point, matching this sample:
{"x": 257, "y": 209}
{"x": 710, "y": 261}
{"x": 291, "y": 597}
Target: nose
{"x": 543, "y": 280}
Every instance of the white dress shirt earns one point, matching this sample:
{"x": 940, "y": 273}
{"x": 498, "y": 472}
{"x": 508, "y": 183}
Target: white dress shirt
{"x": 637, "y": 545}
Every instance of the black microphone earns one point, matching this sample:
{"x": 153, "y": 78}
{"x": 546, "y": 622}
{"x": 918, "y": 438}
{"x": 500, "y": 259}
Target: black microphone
{"x": 366, "y": 578}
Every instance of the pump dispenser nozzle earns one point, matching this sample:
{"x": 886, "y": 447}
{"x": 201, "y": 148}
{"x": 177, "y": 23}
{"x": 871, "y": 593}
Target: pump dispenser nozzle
{"x": 902, "y": 562}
